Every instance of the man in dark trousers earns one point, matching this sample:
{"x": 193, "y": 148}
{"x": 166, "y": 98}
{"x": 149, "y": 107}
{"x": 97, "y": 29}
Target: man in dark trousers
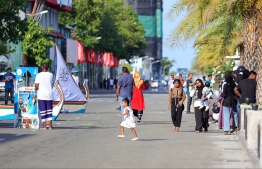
{"x": 124, "y": 88}
{"x": 9, "y": 79}
{"x": 189, "y": 87}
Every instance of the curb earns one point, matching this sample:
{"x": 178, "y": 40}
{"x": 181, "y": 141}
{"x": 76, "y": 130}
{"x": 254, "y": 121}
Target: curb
{"x": 252, "y": 153}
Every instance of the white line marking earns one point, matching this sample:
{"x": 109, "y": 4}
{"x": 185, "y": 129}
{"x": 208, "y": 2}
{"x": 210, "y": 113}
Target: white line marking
{"x": 90, "y": 100}
{"x": 77, "y": 117}
{"x": 19, "y": 135}
{"x": 97, "y": 112}
{"x": 33, "y": 130}
{"x": 2, "y": 139}
{"x": 58, "y": 123}
{"x": 110, "y": 101}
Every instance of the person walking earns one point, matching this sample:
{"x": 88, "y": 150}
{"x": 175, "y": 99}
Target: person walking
{"x": 124, "y": 88}
{"x": 9, "y": 79}
{"x": 137, "y": 102}
{"x": 201, "y": 116}
{"x": 175, "y": 104}
{"x": 74, "y": 75}
{"x": 182, "y": 81}
{"x": 229, "y": 102}
{"x": 43, "y": 86}
{"x": 170, "y": 83}
{"x": 129, "y": 120}
{"x": 189, "y": 87}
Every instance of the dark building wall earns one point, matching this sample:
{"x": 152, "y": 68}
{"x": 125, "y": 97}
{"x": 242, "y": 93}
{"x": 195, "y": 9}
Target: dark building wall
{"x": 150, "y": 15}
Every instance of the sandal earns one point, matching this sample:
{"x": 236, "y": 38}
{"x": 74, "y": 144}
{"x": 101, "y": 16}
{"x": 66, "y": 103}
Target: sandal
{"x": 51, "y": 128}
{"x": 227, "y": 133}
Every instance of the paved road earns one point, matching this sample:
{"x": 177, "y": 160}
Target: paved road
{"x": 90, "y": 141}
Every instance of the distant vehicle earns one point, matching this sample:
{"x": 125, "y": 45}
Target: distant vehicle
{"x": 154, "y": 83}
{"x": 162, "y": 83}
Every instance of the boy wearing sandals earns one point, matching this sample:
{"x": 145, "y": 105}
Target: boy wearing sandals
{"x": 43, "y": 86}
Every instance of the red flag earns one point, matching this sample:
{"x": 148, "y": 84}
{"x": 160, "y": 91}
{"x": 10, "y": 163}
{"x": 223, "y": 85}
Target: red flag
{"x": 100, "y": 58}
{"x": 88, "y": 56}
{"x": 80, "y": 52}
{"x": 106, "y": 59}
{"x": 92, "y": 56}
{"x": 115, "y": 62}
{"x": 111, "y": 60}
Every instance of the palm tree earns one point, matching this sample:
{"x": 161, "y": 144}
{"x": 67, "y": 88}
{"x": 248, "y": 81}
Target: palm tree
{"x": 220, "y": 26}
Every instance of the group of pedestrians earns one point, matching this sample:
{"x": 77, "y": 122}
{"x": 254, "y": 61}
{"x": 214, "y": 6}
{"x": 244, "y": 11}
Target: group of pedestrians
{"x": 176, "y": 97}
{"x": 238, "y": 86}
{"x": 226, "y": 93}
{"x": 130, "y": 90}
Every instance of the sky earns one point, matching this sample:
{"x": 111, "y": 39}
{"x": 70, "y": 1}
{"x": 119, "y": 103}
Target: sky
{"x": 182, "y": 56}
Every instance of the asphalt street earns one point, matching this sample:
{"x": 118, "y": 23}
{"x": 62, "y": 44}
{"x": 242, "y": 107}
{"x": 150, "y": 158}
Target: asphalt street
{"x": 90, "y": 140}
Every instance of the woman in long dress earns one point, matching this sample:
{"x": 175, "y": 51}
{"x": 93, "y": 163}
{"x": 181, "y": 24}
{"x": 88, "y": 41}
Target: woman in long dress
{"x": 201, "y": 116}
{"x": 137, "y": 102}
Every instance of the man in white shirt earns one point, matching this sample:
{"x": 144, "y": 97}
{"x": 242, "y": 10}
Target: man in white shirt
{"x": 43, "y": 86}
{"x": 75, "y": 77}
{"x": 171, "y": 83}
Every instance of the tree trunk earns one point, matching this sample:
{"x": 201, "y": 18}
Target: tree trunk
{"x": 249, "y": 59}
{"x": 242, "y": 53}
{"x": 259, "y": 52}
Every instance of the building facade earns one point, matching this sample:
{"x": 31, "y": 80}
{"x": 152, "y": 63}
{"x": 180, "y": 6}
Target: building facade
{"x": 150, "y": 15}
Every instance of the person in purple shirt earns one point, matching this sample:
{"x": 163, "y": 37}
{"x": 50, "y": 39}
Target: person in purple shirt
{"x": 124, "y": 88}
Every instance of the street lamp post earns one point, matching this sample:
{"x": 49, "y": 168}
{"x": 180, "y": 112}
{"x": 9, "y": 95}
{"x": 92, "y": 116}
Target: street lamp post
{"x": 144, "y": 63}
{"x": 163, "y": 70}
{"x": 151, "y": 68}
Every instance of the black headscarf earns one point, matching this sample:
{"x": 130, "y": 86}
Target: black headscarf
{"x": 241, "y": 75}
{"x": 200, "y": 89}
{"x": 229, "y": 80}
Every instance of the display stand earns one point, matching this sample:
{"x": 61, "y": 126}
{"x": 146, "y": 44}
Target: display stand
{"x": 25, "y": 102}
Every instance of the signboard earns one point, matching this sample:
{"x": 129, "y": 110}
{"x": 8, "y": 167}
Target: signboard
{"x": 26, "y": 109}
{"x": 183, "y": 71}
{"x": 25, "y": 102}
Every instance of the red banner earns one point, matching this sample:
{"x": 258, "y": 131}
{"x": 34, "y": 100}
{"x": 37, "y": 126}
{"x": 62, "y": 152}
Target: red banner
{"x": 80, "y": 52}
{"x": 90, "y": 56}
{"x": 116, "y": 62}
{"x": 106, "y": 58}
{"x": 100, "y": 58}
{"x": 111, "y": 60}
